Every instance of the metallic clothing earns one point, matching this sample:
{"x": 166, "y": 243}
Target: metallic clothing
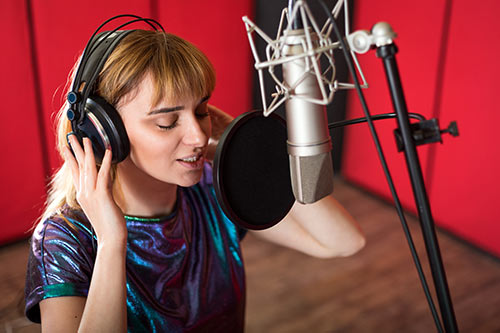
{"x": 184, "y": 271}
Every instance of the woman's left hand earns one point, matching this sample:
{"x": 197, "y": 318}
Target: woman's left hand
{"x": 220, "y": 121}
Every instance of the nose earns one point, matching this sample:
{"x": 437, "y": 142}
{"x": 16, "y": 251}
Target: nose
{"x": 196, "y": 132}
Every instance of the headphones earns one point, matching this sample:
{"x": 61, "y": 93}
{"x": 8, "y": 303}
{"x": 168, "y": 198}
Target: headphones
{"x": 91, "y": 115}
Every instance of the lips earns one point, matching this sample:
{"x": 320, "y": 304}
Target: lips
{"x": 192, "y": 161}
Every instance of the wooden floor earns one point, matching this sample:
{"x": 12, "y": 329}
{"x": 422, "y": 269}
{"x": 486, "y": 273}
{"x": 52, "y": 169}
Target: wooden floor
{"x": 377, "y": 290}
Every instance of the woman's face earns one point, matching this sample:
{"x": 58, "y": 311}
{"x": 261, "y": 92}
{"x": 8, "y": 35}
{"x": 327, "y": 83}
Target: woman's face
{"x": 168, "y": 141}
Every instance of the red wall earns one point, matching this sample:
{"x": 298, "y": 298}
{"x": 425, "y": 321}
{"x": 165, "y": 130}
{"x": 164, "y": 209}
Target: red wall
{"x": 217, "y": 29}
{"x": 466, "y": 173}
{"x": 61, "y": 30}
{"x": 449, "y": 71}
{"x": 22, "y": 172}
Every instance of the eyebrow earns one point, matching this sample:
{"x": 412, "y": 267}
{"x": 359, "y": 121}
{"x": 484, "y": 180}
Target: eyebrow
{"x": 174, "y": 108}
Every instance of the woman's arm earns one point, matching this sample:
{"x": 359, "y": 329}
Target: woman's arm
{"x": 323, "y": 229}
{"x": 104, "y": 309}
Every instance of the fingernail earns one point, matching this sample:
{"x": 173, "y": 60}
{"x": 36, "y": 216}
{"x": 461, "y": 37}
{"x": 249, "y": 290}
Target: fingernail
{"x": 69, "y": 137}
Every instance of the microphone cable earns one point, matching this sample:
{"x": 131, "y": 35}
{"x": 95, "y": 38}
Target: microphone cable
{"x": 382, "y": 116}
{"x": 383, "y": 161}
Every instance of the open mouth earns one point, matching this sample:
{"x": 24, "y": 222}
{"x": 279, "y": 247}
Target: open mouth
{"x": 191, "y": 159}
{"x": 194, "y": 161}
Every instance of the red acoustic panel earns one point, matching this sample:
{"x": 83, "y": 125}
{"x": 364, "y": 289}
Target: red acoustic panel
{"x": 418, "y": 26}
{"x": 217, "y": 29}
{"x": 62, "y": 31}
{"x": 466, "y": 169}
{"x": 21, "y": 171}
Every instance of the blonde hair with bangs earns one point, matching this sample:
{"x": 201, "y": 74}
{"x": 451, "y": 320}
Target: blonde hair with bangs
{"x": 178, "y": 69}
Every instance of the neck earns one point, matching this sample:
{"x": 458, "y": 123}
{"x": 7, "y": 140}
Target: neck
{"x": 138, "y": 194}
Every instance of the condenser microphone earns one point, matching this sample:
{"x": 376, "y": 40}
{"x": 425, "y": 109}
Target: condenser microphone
{"x": 309, "y": 145}
{"x": 304, "y": 51}
{"x": 263, "y": 164}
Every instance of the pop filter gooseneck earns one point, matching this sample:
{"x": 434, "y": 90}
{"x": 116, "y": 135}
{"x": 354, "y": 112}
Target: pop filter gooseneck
{"x": 251, "y": 171}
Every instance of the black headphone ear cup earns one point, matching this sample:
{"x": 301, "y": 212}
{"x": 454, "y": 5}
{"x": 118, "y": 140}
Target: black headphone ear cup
{"x": 104, "y": 127}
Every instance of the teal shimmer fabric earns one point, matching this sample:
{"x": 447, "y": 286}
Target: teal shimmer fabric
{"x": 184, "y": 271}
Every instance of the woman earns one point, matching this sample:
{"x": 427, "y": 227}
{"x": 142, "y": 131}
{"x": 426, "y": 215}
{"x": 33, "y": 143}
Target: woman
{"x": 143, "y": 245}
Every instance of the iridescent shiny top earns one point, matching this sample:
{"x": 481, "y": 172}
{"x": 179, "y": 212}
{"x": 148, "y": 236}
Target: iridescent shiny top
{"x": 184, "y": 271}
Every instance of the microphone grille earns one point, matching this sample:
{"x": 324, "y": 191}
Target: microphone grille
{"x": 312, "y": 177}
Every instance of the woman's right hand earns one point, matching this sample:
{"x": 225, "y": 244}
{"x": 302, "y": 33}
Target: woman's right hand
{"x": 94, "y": 192}
{"x": 105, "y": 307}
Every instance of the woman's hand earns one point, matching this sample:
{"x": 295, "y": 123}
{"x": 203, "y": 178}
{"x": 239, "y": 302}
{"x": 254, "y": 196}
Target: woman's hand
{"x": 94, "y": 192}
{"x": 220, "y": 120}
{"x": 105, "y": 307}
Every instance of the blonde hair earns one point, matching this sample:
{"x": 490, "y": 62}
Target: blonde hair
{"x": 178, "y": 69}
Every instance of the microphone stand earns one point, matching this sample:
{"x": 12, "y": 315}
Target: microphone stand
{"x": 407, "y": 135}
{"x": 387, "y": 53}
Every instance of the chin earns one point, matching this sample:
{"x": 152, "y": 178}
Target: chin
{"x": 190, "y": 178}
{"x": 189, "y": 182}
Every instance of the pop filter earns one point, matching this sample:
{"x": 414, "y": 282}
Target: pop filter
{"x": 251, "y": 171}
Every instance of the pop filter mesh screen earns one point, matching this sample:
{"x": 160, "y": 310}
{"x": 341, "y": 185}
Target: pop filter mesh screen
{"x": 251, "y": 171}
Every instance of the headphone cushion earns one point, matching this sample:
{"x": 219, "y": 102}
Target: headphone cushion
{"x": 104, "y": 126}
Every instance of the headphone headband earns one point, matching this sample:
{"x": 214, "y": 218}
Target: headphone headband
{"x": 95, "y": 54}
{"x": 90, "y": 115}
{"x": 106, "y": 43}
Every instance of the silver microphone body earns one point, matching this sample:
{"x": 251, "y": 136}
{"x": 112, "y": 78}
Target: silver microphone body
{"x": 309, "y": 143}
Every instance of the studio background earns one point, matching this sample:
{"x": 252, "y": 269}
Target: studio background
{"x": 447, "y": 59}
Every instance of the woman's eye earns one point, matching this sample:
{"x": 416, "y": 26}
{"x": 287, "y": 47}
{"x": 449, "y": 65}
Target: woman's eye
{"x": 169, "y": 127}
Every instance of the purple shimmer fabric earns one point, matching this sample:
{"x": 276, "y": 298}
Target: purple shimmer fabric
{"x": 184, "y": 271}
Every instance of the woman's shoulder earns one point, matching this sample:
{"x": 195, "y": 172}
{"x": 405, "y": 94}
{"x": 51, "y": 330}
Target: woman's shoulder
{"x": 64, "y": 231}
{"x": 65, "y": 220}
